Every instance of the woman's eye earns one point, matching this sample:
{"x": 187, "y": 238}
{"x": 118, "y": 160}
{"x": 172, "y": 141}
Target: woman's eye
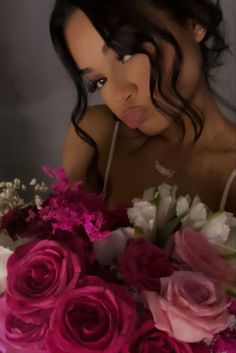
{"x": 96, "y": 84}
{"x": 123, "y": 57}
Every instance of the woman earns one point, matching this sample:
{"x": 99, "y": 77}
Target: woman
{"x": 150, "y": 61}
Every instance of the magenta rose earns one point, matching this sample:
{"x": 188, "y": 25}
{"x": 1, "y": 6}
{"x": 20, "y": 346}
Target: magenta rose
{"x": 201, "y": 347}
{"x": 225, "y": 344}
{"x": 142, "y": 264}
{"x": 38, "y": 273}
{"x": 17, "y": 335}
{"x": 25, "y": 335}
{"x": 147, "y": 339}
{"x": 232, "y": 307}
{"x": 97, "y": 317}
{"x": 201, "y": 256}
{"x": 190, "y": 307}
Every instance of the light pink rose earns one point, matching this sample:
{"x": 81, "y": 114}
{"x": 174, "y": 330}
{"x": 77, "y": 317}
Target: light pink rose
{"x": 190, "y": 307}
{"x": 201, "y": 256}
{"x": 143, "y": 263}
{"x": 38, "y": 273}
{"x": 96, "y": 318}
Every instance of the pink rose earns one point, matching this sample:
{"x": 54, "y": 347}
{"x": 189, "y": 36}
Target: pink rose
{"x": 98, "y": 317}
{"x": 201, "y": 256}
{"x": 38, "y": 273}
{"x": 142, "y": 264}
{"x": 190, "y": 307}
{"x": 147, "y": 339}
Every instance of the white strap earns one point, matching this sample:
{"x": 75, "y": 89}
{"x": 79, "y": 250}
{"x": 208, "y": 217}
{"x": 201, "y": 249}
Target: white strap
{"x": 227, "y": 189}
{"x": 110, "y": 158}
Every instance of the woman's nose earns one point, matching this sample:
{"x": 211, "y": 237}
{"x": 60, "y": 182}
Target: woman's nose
{"x": 122, "y": 91}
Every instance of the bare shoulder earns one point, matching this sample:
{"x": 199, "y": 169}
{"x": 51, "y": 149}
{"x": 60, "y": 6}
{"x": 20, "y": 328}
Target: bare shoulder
{"x": 98, "y": 122}
{"x": 77, "y": 154}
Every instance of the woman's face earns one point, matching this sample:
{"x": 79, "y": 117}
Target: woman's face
{"x": 124, "y": 82}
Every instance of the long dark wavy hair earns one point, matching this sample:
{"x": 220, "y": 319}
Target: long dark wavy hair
{"x": 125, "y": 26}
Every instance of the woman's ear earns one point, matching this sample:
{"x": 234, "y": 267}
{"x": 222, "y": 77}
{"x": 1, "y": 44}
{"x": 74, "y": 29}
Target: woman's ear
{"x": 198, "y": 31}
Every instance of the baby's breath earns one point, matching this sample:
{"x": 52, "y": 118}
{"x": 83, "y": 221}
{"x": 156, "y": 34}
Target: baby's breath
{"x": 11, "y": 198}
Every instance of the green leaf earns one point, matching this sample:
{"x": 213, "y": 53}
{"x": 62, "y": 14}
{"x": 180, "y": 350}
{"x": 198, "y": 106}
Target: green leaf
{"x": 230, "y": 290}
{"x": 164, "y": 233}
{"x": 138, "y": 230}
{"x": 226, "y": 252}
{"x": 214, "y": 215}
{"x": 156, "y": 200}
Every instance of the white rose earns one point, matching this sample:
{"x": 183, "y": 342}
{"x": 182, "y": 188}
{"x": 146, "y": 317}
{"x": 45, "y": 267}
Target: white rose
{"x": 217, "y": 228}
{"x": 7, "y": 242}
{"x": 112, "y": 247}
{"x": 4, "y": 254}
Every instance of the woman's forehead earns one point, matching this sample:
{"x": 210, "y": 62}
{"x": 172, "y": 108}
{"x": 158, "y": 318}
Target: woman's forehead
{"x": 82, "y": 38}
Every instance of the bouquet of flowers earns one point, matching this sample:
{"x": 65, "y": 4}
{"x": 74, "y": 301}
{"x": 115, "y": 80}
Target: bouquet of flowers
{"x": 157, "y": 275}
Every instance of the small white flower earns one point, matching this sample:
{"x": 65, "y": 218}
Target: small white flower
{"x": 43, "y": 187}
{"x": 232, "y": 322}
{"x": 38, "y": 201}
{"x": 33, "y": 182}
{"x": 16, "y": 183}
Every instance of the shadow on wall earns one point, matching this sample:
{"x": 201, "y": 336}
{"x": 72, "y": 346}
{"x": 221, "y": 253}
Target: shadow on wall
{"x": 36, "y": 94}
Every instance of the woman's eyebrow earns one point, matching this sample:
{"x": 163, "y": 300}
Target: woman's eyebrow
{"x": 87, "y": 70}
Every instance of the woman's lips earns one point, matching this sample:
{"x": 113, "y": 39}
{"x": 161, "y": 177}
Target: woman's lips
{"x": 133, "y": 117}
